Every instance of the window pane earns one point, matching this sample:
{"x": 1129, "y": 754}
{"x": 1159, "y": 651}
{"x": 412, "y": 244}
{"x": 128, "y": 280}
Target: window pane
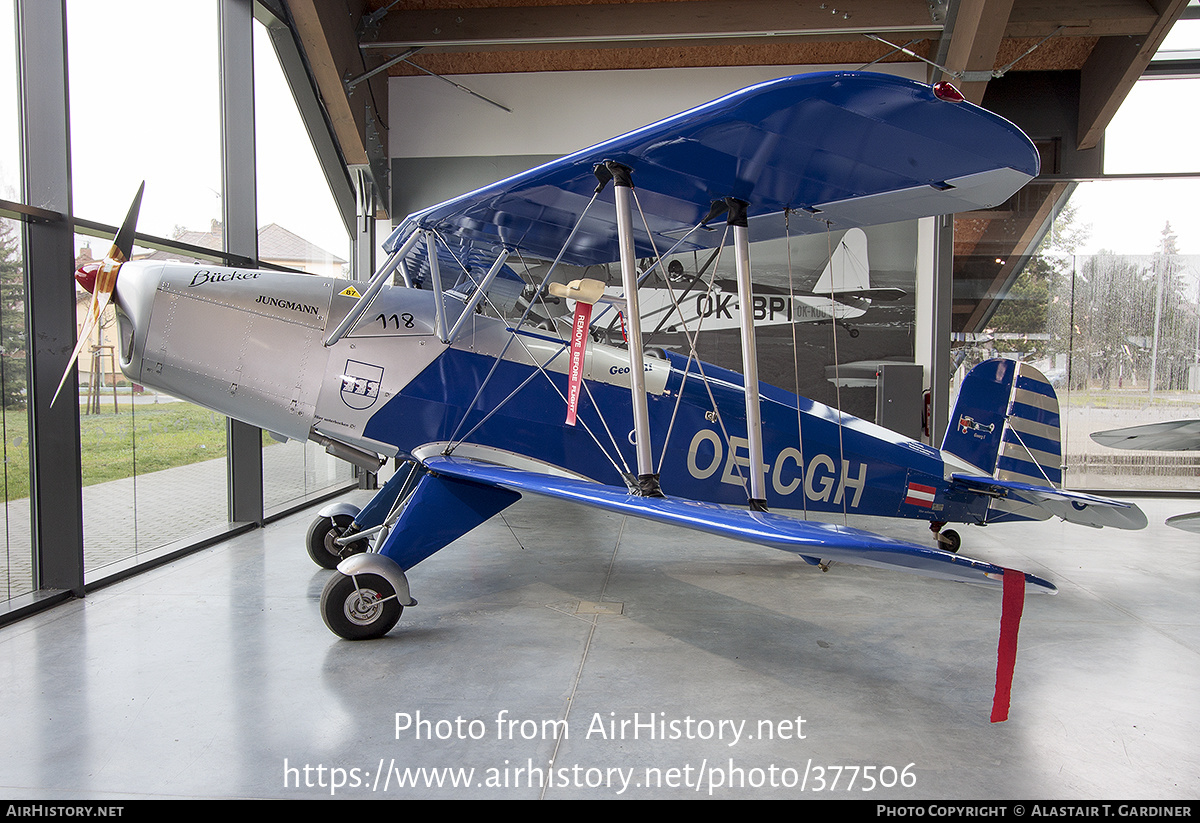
{"x": 164, "y": 69}
{"x": 10, "y": 160}
{"x": 143, "y": 451}
{"x": 16, "y": 565}
{"x": 299, "y": 224}
{"x": 1158, "y": 114}
{"x": 1118, "y": 336}
{"x": 299, "y": 228}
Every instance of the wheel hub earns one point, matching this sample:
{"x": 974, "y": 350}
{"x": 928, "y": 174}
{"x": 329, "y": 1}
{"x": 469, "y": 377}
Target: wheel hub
{"x": 363, "y": 607}
{"x": 330, "y": 546}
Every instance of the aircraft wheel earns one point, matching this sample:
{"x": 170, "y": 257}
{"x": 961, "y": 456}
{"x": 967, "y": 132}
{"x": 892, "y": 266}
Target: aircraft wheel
{"x": 321, "y": 534}
{"x": 853, "y": 332}
{"x": 949, "y": 540}
{"x": 361, "y": 607}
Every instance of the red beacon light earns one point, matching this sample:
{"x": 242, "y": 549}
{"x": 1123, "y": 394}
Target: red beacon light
{"x": 85, "y": 276}
{"x": 944, "y": 90}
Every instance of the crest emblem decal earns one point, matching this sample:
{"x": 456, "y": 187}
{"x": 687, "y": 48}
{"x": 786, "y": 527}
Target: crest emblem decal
{"x": 360, "y": 384}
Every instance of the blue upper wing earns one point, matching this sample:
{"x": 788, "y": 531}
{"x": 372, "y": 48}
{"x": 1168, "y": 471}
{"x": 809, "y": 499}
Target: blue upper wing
{"x": 835, "y": 149}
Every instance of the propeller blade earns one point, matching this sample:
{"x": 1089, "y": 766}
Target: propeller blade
{"x": 99, "y": 304}
{"x": 123, "y": 242}
{"x": 105, "y": 281}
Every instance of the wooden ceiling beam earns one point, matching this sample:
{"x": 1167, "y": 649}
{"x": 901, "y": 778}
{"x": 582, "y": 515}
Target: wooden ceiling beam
{"x": 327, "y": 31}
{"x": 624, "y": 24}
{"x": 974, "y": 43}
{"x": 1114, "y": 66}
{"x": 1081, "y": 18}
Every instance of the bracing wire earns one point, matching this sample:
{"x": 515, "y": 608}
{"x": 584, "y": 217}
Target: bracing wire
{"x": 787, "y": 231}
{"x": 837, "y": 380}
{"x": 692, "y": 351}
{"x": 479, "y": 393}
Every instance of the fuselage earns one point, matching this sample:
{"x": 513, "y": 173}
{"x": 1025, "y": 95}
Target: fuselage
{"x": 251, "y": 344}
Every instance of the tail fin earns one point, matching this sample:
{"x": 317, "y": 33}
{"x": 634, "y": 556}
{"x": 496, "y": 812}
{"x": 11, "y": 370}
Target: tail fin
{"x": 848, "y": 269}
{"x": 1006, "y": 424}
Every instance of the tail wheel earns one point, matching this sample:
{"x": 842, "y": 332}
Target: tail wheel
{"x": 321, "y": 541}
{"x": 361, "y": 607}
{"x": 949, "y": 540}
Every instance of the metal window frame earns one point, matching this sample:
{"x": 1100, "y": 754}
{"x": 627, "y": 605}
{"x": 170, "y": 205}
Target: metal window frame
{"x": 48, "y": 227}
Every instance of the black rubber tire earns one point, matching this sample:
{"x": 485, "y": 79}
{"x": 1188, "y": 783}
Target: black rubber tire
{"x": 351, "y": 609}
{"x": 949, "y": 540}
{"x": 319, "y": 542}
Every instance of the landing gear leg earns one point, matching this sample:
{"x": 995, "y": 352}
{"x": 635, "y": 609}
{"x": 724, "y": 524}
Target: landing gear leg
{"x": 331, "y": 537}
{"x": 853, "y": 332}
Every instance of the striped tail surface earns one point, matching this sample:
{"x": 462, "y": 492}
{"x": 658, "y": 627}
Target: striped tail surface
{"x": 1006, "y": 427}
{"x": 1006, "y": 424}
{"x": 1031, "y": 451}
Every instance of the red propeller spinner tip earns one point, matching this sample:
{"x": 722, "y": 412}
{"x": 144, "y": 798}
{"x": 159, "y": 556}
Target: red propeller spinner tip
{"x": 85, "y": 276}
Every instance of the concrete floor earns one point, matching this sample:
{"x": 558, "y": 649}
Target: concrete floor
{"x": 214, "y": 676}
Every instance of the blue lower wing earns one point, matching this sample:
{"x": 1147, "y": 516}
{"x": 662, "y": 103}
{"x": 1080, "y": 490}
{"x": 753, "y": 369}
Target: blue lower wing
{"x": 806, "y": 538}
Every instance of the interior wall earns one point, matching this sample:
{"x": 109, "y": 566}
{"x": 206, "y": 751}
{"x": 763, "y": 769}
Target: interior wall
{"x": 439, "y": 134}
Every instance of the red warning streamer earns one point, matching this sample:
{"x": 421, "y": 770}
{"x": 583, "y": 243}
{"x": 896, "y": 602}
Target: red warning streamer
{"x": 579, "y": 332}
{"x": 1006, "y": 656}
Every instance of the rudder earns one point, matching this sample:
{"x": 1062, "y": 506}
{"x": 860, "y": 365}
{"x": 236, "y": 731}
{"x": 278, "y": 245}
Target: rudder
{"x": 1006, "y": 423}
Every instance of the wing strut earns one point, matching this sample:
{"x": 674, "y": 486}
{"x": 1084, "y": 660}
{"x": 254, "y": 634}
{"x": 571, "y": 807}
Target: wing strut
{"x": 741, "y": 243}
{"x": 480, "y": 293}
{"x": 377, "y": 283}
{"x": 435, "y": 276}
{"x": 622, "y": 188}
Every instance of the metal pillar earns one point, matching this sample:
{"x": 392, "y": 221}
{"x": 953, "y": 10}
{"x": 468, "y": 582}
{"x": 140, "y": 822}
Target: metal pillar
{"x": 54, "y": 446}
{"x": 363, "y": 242}
{"x": 935, "y": 295}
{"x": 741, "y": 244}
{"x": 240, "y": 216}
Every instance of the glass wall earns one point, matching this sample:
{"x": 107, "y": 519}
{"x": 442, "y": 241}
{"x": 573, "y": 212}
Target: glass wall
{"x": 1118, "y": 336}
{"x": 150, "y": 113}
{"x": 10, "y": 140}
{"x": 300, "y": 229}
{"x": 143, "y": 452}
{"x": 16, "y": 559}
{"x": 16, "y": 565}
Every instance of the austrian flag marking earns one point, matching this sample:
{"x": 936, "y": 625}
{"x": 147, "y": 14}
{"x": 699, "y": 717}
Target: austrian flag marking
{"x": 920, "y": 495}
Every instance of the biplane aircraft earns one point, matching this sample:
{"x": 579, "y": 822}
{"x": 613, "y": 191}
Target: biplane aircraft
{"x": 433, "y": 362}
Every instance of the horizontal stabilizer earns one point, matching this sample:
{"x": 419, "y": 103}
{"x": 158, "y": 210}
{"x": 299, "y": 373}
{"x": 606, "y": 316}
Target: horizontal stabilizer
{"x": 805, "y": 538}
{"x": 1172, "y": 435}
{"x": 881, "y": 293}
{"x": 1187, "y": 522}
{"x": 1074, "y": 507}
